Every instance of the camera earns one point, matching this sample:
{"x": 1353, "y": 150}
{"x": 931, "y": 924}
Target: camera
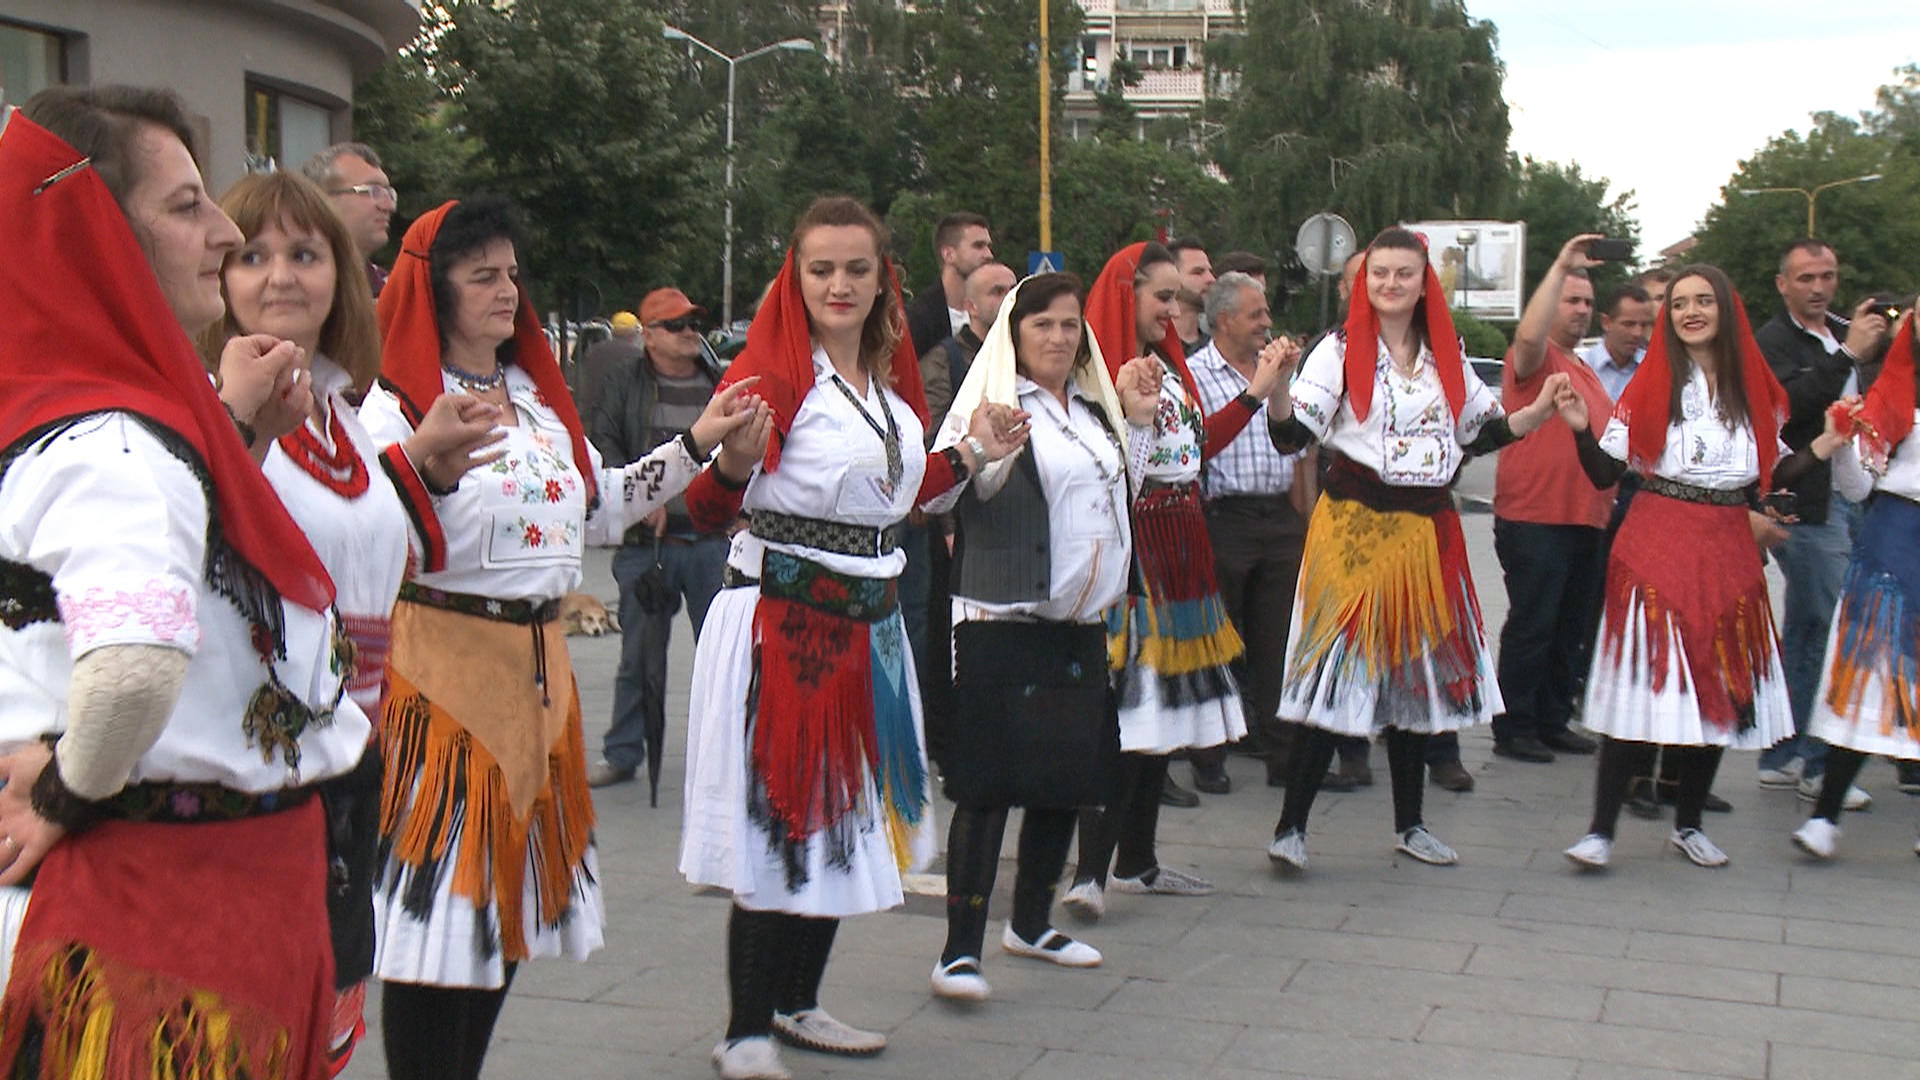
{"x": 1610, "y": 250}
{"x": 1889, "y": 308}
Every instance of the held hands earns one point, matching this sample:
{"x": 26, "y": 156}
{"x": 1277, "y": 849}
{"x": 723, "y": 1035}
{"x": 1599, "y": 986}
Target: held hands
{"x": 726, "y": 412}
{"x": 1542, "y": 408}
{"x": 1768, "y": 531}
{"x": 1002, "y": 429}
{"x": 25, "y": 836}
{"x": 746, "y": 446}
{"x": 453, "y": 438}
{"x": 1274, "y": 368}
{"x": 1571, "y": 406}
{"x": 1866, "y": 332}
{"x": 265, "y": 381}
{"x": 1138, "y": 384}
{"x": 1842, "y": 418}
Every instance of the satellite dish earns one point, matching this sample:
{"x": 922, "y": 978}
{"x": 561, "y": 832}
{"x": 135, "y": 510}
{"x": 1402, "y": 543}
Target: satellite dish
{"x": 1324, "y": 242}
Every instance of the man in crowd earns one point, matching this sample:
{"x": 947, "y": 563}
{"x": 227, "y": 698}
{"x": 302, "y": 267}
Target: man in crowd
{"x": 616, "y": 354}
{"x": 1196, "y": 277}
{"x": 351, "y": 175}
{"x": 963, "y": 243}
{"x": 1815, "y": 354}
{"x": 944, "y": 366}
{"x": 1548, "y": 524}
{"x": 1655, "y": 281}
{"x": 1626, "y": 325}
{"x": 654, "y": 399}
{"x": 1256, "y": 514}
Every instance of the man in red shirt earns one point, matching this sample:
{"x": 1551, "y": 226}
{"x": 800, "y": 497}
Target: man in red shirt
{"x": 1548, "y": 525}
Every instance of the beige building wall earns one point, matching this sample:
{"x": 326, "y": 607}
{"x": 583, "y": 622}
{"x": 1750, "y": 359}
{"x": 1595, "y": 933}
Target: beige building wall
{"x": 214, "y": 52}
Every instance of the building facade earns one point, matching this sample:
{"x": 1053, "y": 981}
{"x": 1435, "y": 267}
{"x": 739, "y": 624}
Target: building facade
{"x": 263, "y": 78}
{"x": 1165, "y": 39}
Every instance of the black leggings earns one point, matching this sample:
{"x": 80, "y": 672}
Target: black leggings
{"x": 973, "y": 861}
{"x": 1313, "y": 752}
{"x": 775, "y": 962}
{"x": 1622, "y": 761}
{"x": 1128, "y": 825}
{"x": 438, "y": 1032}
{"x": 1843, "y": 768}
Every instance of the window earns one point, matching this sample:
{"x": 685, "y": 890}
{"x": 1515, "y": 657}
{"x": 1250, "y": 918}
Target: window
{"x": 30, "y": 61}
{"x": 1158, "y": 56}
{"x": 285, "y": 129}
{"x": 1089, "y": 55}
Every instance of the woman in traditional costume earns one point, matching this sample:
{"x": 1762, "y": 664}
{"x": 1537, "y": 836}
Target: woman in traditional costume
{"x": 1387, "y": 633}
{"x": 486, "y": 823}
{"x": 1043, "y": 553}
{"x": 173, "y": 674}
{"x": 1869, "y": 699}
{"x": 1687, "y": 656}
{"x": 807, "y": 786}
{"x": 1170, "y": 641}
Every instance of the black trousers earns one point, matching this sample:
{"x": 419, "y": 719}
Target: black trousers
{"x": 1257, "y": 545}
{"x": 1127, "y": 825}
{"x": 438, "y": 1032}
{"x": 1555, "y": 579}
{"x": 973, "y": 862}
{"x": 1622, "y": 761}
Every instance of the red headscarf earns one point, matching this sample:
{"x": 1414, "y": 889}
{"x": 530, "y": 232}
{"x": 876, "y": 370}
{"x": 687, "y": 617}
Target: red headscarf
{"x": 1646, "y": 402}
{"x": 410, "y": 342}
{"x": 1888, "y": 410}
{"x": 1363, "y": 345}
{"x": 780, "y": 351}
{"x": 88, "y": 330}
{"x": 1112, "y": 315}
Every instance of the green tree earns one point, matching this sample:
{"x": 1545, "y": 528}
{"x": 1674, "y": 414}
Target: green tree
{"x": 404, "y": 113}
{"x": 1384, "y": 111}
{"x": 568, "y": 102}
{"x": 1108, "y": 193}
{"x": 1557, "y": 202}
{"x": 1871, "y": 226}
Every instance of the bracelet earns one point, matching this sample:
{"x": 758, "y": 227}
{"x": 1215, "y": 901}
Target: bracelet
{"x": 961, "y": 471}
{"x": 979, "y": 451}
{"x": 247, "y": 434}
{"x": 53, "y": 800}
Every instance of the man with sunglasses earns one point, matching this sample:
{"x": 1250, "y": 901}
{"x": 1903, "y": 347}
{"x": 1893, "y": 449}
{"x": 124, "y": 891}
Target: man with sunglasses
{"x": 653, "y": 399}
{"x": 351, "y": 175}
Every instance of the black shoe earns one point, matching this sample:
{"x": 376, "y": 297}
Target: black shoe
{"x": 1641, "y": 800}
{"x": 1358, "y": 771}
{"x": 1172, "y": 794}
{"x": 1909, "y": 776}
{"x": 1523, "y": 748}
{"x": 1451, "y": 775}
{"x": 1252, "y": 745}
{"x": 1568, "y": 742}
{"x": 1213, "y": 781}
{"x": 1337, "y": 781}
{"x": 1717, "y": 805}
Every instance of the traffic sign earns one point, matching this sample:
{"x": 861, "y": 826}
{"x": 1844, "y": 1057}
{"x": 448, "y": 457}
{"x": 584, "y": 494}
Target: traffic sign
{"x": 1324, "y": 243}
{"x": 1044, "y": 262}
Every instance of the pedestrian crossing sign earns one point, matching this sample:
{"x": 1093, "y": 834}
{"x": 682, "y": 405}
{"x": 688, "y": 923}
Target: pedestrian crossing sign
{"x": 1044, "y": 262}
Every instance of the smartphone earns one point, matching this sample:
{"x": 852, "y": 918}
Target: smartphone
{"x": 1610, "y": 250}
{"x": 1780, "y": 502}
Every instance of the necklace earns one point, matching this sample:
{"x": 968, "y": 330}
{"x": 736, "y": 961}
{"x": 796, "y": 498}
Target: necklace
{"x": 889, "y": 436}
{"x": 1066, "y": 430}
{"x": 340, "y": 469}
{"x": 476, "y": 382}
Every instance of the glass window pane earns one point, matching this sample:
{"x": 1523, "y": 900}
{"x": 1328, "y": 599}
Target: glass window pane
{"x": 30, "y": 61}
{"x": 305, "y": 130}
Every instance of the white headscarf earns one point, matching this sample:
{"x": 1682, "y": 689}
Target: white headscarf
{"x": 993, "y": 377}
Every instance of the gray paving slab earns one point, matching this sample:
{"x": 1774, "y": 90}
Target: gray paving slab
{"x": 1508, "y": 965}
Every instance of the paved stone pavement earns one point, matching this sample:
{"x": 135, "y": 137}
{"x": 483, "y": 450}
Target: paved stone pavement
{"x": 1371, "y": 965}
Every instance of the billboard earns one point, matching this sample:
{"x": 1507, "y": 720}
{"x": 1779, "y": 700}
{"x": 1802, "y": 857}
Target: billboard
{"x": 1481, "y": 264}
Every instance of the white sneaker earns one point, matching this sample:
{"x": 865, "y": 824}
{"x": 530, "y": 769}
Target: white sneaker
{"x": 1694, "y": 845}
{"x": 1086, "y": 901}
{"x": 1053, "y": 947}
{"x": 961, "y": 980}
{"x": 813, "y": 1029}
{"x": 1166, "y": 882}
{"x": 1785, "y": 776}
{"x": 1592, "y": 852}
{"x": 1853, "y": 802}
{"x": 1289, "y": 849}
{"x": 1423, "y": 845}
{"x": 755, "y": 1058}
{"x": 1816, "y": 837}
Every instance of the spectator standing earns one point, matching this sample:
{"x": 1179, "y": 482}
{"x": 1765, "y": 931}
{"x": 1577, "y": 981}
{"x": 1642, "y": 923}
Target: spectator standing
{"x": 1196, "y": 277}
{"x": 351, "y": 175}
{"x": 963, "y": 242}
{"x": 1626, "y": 323}
{"x": 615, "y": 354}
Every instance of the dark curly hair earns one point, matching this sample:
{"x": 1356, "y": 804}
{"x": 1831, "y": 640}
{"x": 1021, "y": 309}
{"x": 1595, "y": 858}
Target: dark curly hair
{"x": 468, "y": 228}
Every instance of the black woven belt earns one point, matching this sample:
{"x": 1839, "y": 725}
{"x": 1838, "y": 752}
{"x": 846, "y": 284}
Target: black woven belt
{"x": 1673, "y": 489}
{"x": 186, "y": 803}
{"x": 521, "y": 612}
{"x": 831, "y": 536}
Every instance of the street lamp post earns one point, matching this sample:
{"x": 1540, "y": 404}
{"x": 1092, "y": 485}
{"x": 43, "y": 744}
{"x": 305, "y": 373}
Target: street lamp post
{"x": 674, "y": 33}
{"x": 1810, "y": 194}
{"x": 1466, "y": 238}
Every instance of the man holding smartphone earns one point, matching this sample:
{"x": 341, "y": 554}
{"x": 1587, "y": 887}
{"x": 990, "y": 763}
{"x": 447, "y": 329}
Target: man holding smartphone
{"x": 1816, "y": 355}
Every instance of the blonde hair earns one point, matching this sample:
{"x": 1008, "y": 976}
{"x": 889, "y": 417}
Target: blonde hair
{"x": 350, "y": 336}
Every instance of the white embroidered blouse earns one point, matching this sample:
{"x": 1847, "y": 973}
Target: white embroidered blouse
{"x": 515, "y": 530}
{"x": 1902, "y": 477}
{"x": 1410, "y": 436}
{"x": 1702, "y": 449}
{"x": 119, "y": 524}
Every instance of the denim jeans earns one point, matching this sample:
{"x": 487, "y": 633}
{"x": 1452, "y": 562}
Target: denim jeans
{"x": 1814, "y": 562}
{"x": 640, "y": 688}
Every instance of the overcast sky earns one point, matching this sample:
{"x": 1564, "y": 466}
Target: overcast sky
{"x": 1665, "y": 97}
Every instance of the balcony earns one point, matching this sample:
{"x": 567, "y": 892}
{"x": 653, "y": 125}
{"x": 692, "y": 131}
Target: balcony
{"x": 1180, "y": 84}
{"x": 1168, "y": 7}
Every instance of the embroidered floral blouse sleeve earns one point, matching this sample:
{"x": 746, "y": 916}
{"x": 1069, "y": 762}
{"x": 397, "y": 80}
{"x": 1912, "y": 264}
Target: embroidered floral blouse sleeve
{"x": 1319, "y": 385}
{"x": 633, "y": 491}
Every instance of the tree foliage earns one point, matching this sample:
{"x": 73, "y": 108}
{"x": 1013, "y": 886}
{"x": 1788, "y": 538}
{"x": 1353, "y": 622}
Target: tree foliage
{"x": 1871, "y": 226}
{"x": 1558, "y": 202}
